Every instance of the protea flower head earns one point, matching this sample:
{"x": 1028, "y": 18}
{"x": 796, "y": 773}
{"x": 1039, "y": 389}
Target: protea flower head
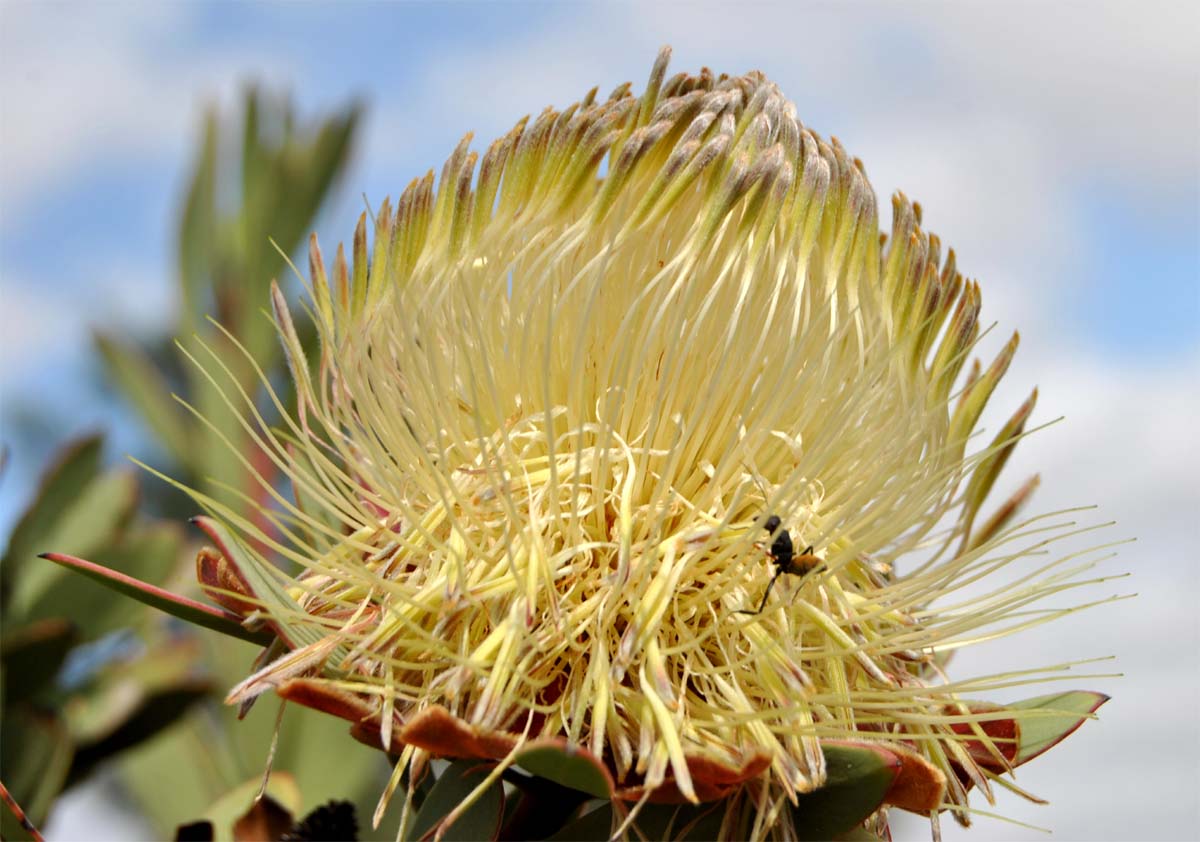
{"x": 580, "y": 401}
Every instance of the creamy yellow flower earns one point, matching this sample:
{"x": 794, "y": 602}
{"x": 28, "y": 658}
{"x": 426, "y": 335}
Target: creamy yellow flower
{"x": 559, "y": 395}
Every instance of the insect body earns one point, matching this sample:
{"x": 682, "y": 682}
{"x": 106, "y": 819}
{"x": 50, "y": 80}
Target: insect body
{"x": 783, "y": 554}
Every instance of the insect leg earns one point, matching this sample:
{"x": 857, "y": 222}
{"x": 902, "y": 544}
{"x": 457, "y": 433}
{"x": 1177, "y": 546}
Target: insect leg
{"x": 766, "y": 594}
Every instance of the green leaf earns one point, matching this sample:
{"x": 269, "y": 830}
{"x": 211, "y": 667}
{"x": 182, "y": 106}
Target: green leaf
{"x": 682, "y": 821}
{"x": 223, "y": 750}
{"x": 538, "y": 806}
{"x": 99, "y": 512}
{"x": 480, "y": 821}
{"x": 197, "y": 231}
{"x": 254, "y": 163}
{"x": 136, "y": 376}
{"x": 323, "y": 160}
{"x": 120, "y": 685}
{"x": 93, "y": 518}
{"x": 32, "y": 656}
{"x": 595, "y": 826}
{"x": 301, "y": 172}
{"x": 1051, "y": 719}
{"x": 221, "y": 439}
{"x": 857, "y": 779}
{"x": 156, "y": 711}
{"x": 555, "y": 760}
{"x": 186, "y": 609}
{"x": 73, "y": 467}
{"x": 35, "y": 754}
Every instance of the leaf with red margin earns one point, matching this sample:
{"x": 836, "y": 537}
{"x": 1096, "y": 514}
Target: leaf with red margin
{"x": 1059, "y": 715}
{"x": 1004, "y": 734}
{"x": 437, "y": 731}
{"x": 554, "y": 759}
{"x": 196, "y": 613}
{"x": 711, "y": 780}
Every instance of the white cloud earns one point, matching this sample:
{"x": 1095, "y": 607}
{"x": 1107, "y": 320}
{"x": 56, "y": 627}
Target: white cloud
{"x": 1113, "y": 85}
{"x": 1129, "y": 446}
{"x": 48, "y": 326}
{"x": 86, "y": 84}
{"x": 995, "y": 118}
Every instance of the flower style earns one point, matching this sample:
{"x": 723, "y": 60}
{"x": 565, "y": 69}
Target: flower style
{"x": 559, "y": 397}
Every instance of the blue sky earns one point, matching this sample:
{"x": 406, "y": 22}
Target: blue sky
{"x": 1053, "y": 145}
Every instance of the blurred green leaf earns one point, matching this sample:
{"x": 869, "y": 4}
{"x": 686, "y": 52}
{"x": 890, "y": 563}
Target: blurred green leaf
{"x": 137, "y": 378}
{"x": 278, "y": 174}
{"x": 857, "y": 779}
{"x": 149, "y": 553}
{"x": 254, "y": 161}
{"x": 35, "y": 754}
{"x": 32, "y": 656}
{"x": 157, "y": 711}
{"x": 228, "y": 261}
{"x": 177, "y": 776}
{"x": 97, "y": 513}
{"x": 1059, "y": 715}
{"x": 73, "y": 467}
{"x": 197, "y": 229}
{"x": 92, "y": 517}
{"x": 593, "y": 826}
{"x": 538, "y": 807}
{"x": 120, "y": 686}
{"x": 480, "y": 821}
{"x": 222, "y": 750}
{"x": 217, "y": 468}
{"x": 310, "y": 179}
{"x": 681, "y": 821}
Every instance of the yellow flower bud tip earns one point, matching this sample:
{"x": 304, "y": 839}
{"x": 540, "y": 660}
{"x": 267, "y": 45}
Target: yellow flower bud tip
{"x": 553, "y": 410}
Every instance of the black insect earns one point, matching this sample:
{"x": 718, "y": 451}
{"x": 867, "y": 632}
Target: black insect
{"x": 783, "y": 554}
